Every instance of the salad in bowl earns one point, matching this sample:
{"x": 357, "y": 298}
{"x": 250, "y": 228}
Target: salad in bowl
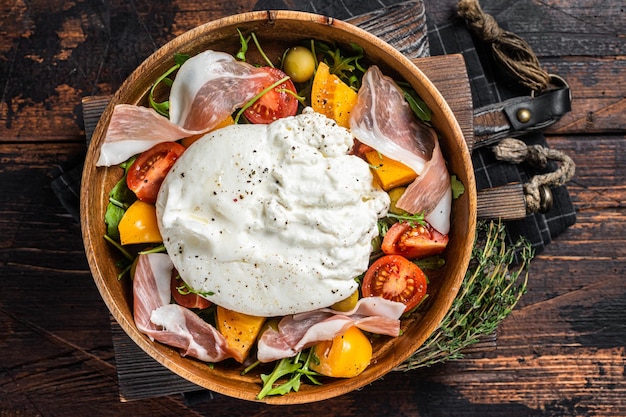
{"x": 269, "y": 215}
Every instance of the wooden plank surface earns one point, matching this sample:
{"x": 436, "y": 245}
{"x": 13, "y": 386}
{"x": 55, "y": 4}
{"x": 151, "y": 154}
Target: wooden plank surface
{"x": 560, "y": 353}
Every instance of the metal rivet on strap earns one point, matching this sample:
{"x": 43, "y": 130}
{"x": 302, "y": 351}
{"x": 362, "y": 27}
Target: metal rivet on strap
{"x": 546, "y": 199}
{"x": 523, "y": 115}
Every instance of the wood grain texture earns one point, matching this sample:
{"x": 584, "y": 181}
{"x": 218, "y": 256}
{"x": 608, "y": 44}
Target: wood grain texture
{"x": 559, "y": 354}
{"x": 450, "y": 77}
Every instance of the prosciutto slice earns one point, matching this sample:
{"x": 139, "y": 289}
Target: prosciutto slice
{"x": 210, "y": 86}
{"x": 207, "y": 88}
{"x": 383, "y": 120}
{"x": 167, "y": 323}
{"x": 297, "y": 332}
{"x": 134, "y": 129}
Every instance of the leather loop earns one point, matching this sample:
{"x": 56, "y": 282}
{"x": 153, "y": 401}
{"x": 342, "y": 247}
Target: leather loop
{"x": 542, "y": 110}
{"x": 519, "y": 115}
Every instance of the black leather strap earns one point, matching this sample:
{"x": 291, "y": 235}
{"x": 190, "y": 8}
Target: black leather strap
{"x": 520, "y": 115}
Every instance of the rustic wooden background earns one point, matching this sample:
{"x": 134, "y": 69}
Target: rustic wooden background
{"x": 561, "y": 352}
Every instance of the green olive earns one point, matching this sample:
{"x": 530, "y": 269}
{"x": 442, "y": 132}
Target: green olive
{"x": 348, "y": 303}
{"x": 299, "y": 64}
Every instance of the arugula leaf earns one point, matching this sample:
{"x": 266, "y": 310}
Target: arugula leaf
{"x": 457, "y": 187}
{"x": 282, "y": 368}
{"x": 112, "y": 218}
{"x": 243, "y": 48}
{"x": 419, "y": 107}
{"x": 120, "y": 198}
{"x": 296, "y": 367}
{"x": 185, "y": 289}
{"x": 180, "y": 59}
{"x": 412, "y": 219}
{"x": 156, "y": 249}
{"x": 347, "y": 68}
{"x": 163, "y": 107}
{"x": 258, "y": 46}
{"x": 120, "y": 195}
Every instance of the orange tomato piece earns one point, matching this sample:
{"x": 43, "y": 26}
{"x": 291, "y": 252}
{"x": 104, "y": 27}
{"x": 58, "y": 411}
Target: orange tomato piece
{"x": 332, "y": 97}
{"x": 389, "y": 172}
{"x": 139, "y": 224}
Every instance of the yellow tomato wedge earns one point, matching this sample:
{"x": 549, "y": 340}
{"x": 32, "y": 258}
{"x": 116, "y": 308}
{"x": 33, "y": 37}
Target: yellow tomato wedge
{"x": 139, "y": 224}
{"x": 346, "y": 356}
{"x": 186, "y": 142}
{"x": 389, "y": 173}
{"x": 240, "y": 330}
{"x": 332, "y": 97}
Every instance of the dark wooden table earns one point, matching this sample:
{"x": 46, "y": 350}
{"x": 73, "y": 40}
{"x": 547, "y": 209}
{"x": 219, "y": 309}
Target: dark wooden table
{"x": 561, "y": 352}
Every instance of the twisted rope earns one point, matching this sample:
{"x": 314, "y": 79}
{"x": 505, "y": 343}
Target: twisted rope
{"x": 537, "y": 189}
{"x": 509, "y": 49}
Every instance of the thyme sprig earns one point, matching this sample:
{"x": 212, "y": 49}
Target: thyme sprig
{"x": 489, "y": 292}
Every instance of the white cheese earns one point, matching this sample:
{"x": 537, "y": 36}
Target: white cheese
{"x": 272, "y": 219}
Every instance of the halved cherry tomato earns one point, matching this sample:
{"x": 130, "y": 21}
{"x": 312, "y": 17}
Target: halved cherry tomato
{"x": 276, "y": 103}
{"x": 148, "y": 171}
{"x": 360, "y": 149}
{"x": 395, "y": 278}
{"x": 413, "y": 241}
{"x": 190, "y": 300}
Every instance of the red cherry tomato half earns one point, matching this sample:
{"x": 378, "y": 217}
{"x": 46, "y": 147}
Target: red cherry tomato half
{"x": 395, "y": 278}
{"x": 276, "y": 103}
{"x": 413, "y": 241}
{"x": 190, "y": 300}
{"x": 148, "y": 171}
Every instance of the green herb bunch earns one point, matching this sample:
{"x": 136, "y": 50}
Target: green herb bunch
{"x": 487, "y": 296}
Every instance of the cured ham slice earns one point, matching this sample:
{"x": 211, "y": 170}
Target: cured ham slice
{"x": 134, "y": 129}
{"x": 167, "y": 323}
{"x": 297, "y": 332}
{"x": 183, "y": 329}
{"x": 383, "y": 120}
{"x": 207, "y": 88}
{"x": 370, "y": 306}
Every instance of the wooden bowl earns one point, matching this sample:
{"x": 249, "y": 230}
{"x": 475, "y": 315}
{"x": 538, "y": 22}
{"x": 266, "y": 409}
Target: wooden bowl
{"x": 279, "y": 30}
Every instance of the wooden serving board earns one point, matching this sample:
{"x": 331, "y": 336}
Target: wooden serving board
{"x": 403, "y": 26}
